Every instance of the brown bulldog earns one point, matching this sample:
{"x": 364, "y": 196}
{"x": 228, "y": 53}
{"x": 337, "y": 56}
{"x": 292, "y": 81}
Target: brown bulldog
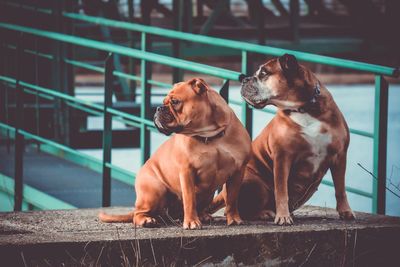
{"x": 210, "y": 149}
{"x": 308, "y": 136}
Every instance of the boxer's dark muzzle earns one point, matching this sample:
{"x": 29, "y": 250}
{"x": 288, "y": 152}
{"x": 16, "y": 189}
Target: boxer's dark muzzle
{"x": 251, "y": 92}
{"x": 162, "y": 118}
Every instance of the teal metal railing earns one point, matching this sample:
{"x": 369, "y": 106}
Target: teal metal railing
{"x": 245, "y": 49}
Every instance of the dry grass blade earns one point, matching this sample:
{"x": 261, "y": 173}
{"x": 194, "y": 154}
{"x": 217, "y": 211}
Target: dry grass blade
{"x": 152, "y": 250}
{"x": 309, "y": 255}
{"x": 202, "y": 261}
{"x": 23, "y": 259}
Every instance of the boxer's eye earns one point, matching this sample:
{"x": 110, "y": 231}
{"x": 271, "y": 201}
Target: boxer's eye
{"x": 264, "y": 72}
{"x": 175, "y": 102}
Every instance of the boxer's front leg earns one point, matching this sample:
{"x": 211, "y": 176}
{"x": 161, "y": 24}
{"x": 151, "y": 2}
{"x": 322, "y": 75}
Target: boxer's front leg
{"x": 231, "y": 193}
{"x": 338, "y": 170}
{"x": 190, "y": 219}
{"x": 282, "y": 165}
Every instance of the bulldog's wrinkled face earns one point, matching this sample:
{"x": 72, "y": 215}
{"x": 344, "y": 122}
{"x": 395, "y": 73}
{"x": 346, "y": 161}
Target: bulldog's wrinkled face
{"x": 185, "y": 109}
{"x": 281, "y": 82}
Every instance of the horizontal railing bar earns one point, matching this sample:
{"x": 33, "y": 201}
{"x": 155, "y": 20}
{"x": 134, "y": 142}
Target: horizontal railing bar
{"x": 129, "y": 52}
{"x": 62, "y": 147}
{"x": 30, "y": 8}
{"x": 350, "y": 189}
{"x": 242, "y": 46}
{"x": 361, "y": 132}
{"x": 33, "y": 196}
{"x": 39, "y": 94}
{"x": 269, "y": 111}
{"x": 52, "y": 93}
{"x": 87, "y": 110}
{"x": 72, "y": 99}
{"x": 32, "y": 52}
{"x": 115, "y": 72}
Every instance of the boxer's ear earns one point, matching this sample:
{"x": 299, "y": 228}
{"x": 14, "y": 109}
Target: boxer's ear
{"x": 289, "y": 65}
{"x": 198, "y": 85}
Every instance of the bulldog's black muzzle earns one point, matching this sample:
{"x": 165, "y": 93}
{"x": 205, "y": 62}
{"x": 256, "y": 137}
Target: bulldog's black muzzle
{"x": 250, "y": 91}
{"x": 162, "y": 117}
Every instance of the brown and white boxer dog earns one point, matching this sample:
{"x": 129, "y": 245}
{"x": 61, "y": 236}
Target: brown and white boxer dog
{"x": 210, "y": 149}
{"x": 308, "y": 136}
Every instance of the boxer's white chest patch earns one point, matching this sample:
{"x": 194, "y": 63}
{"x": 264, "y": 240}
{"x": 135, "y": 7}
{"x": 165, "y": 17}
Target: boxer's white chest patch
{"x": 311, "y": 132}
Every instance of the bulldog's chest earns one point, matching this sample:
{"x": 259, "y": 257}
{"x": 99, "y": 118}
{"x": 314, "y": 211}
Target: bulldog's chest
{"x": 317, "y": 138}
{"x": 215, "y": 164}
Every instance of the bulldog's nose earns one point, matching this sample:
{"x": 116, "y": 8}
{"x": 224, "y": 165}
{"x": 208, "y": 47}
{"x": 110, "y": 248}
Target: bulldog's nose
{"x": 242, "y": 77}
{"x": 246, "y": 79}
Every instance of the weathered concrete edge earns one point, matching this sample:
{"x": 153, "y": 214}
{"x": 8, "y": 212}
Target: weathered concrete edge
{"x": 335, "y": 246}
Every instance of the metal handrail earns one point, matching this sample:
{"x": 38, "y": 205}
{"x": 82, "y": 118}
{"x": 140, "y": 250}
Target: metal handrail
{"x": 129, "y": 52}
{"x": 241, "y": 46}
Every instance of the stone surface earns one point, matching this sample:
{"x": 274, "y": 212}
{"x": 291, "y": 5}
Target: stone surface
{"x": 76, "y": 237}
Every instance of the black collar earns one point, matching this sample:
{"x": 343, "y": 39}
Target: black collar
{"x": 206, "y": 140}
{"x": 310, "y": 105}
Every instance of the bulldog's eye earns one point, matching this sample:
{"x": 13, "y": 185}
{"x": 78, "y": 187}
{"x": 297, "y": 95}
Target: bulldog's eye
{"x": 175, "y": 102}
{"x": 264, "y": 72}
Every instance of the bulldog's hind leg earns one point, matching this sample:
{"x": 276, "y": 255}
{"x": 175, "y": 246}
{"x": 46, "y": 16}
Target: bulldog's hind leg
{"x": 338, "y": 171}
{"x": 253, "y": 199}
{"x": 150, "y": 200}
{"x": 231, "y": 193}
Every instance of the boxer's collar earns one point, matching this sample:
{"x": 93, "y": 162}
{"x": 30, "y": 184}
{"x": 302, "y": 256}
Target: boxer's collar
{"x": 310, "y": 105}
{"x": 208, "y": 139}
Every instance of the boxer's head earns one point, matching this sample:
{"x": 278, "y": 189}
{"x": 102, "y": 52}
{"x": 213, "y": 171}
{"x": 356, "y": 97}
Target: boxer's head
{"x": 191, "y": 108}
{"x": 281, "y": 82}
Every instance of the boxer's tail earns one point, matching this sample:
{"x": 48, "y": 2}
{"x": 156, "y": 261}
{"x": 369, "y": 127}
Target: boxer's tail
{"x": 217, "y": 203}
{"x": 120, "y": 218}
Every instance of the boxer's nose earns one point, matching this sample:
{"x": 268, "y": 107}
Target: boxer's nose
{"x": 247, "y": 79}
{"x": 242, "y": 77}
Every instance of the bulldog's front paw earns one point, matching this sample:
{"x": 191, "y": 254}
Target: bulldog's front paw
{"x": 283, "y": 219}
{"x": 347, "y": 215}
{"x": 191, "y": 224}
{"x": 233, "y": 220}
{"x": 266, "y": 215}
{"x": 206, "y": 217}
{"x": 145, "y": 221}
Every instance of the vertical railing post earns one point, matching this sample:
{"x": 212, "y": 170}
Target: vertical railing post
{"x": 294, "y": 6}
{"x": 19, "y": 122}
{"x": 145, "y": 105}
{"x": 107, "y": 130}
{"x": 224, "y": 92}
{"x": 131, "y": 62}
{"x": 55, "y": 69}
{"x": 177, "y": 74}
{"x": 65, "y": 70}
{"x": 247, "y": 112}
{"x": 380, "y": 143}
{"x": 4, "y": 64}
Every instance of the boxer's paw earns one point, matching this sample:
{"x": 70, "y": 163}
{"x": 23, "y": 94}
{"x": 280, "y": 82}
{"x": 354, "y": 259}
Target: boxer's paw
{"x": 347, "y": 215}
{"x": 266, "y": 215}
{"x": 145, "y": 221}
{"x": 192, "y": 224}
{"x": 283, "y": 219}
{"x": 234, "y": 220}
{"x": 206, "y": 217}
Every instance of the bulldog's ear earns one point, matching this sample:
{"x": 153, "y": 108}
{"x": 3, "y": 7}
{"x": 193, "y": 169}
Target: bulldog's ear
{"x": 289, "y": 65}
{"x": 198, "y": 85}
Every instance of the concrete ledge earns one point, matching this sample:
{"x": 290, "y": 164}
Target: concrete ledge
{"x": 76, "y": 237}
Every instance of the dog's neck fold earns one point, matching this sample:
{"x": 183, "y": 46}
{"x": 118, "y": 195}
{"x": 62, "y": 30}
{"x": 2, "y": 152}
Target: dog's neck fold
{"x": 221, "y": 118}
{"x": 309, "y": 106}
